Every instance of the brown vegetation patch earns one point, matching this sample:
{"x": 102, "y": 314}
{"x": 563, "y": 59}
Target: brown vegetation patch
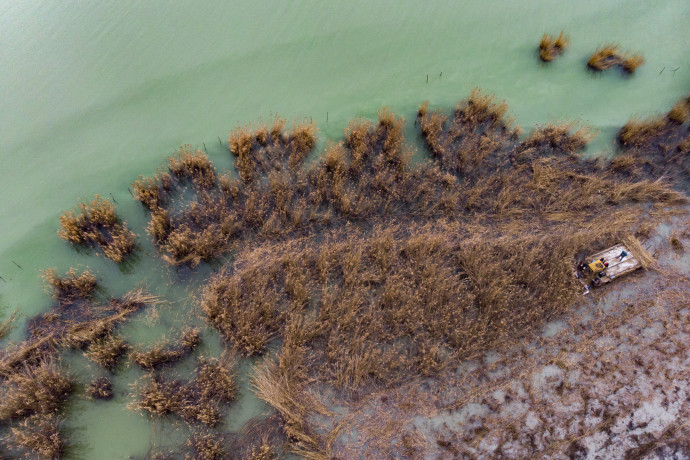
{"x": 196, "y": 401}
{"x": 96, "y": 225}
{"x": 550, "y": 48}
{"x": 608, "y": 56}
{"x": 107, "y": 351}
{"x": 167, "y": 352}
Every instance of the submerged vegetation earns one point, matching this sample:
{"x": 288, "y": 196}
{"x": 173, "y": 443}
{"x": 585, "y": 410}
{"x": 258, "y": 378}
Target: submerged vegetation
{"x": 96, "y": 224}
{"x": 550, "y": 48}
{"x": 610, "y": 55}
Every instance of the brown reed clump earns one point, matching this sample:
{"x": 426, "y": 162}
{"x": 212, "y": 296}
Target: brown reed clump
{"x": 71, "y": 286}
{"x": 39, "y": 434}
{"x": 196, "y": 401}
{"x": 100, "y": 388}
{"x": 39, "y": 390}
{"x": 680, "y": 113}
{"x": 608, "y": 56}
{"x": 107, "y": 351}
{"x": 638, "y": 132}
{"x": 167, "y": 352}
{"x": 96, "y": 225}
{"x": 550, "y": 48}
{"x": 632, "y": 62}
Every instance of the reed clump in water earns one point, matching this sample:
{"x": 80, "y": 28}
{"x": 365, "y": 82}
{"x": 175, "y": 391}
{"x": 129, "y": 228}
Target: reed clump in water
{"x": 72, "y": 286}
{"x": 610, "y": 55}
{"x": 96, "y": 224}
{"x": 550, "y": 48}
{"x": 39, "y": 390}
{"x": 100, "y": 388}
{"x": 39, "y": 434}
{"x": 196, "y": 401}
{"x": 167, "y": 352}
{"x": 107, "y": 351}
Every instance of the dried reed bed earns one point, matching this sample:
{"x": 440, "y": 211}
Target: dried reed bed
{"x": 196, "y": 401}
{"x": 610, "y": 55}
{"x": 168, "y": 352}
{"x": 550, "y": 48}
{"x": 372, "y": 270}
{"x": 96, "y": 224}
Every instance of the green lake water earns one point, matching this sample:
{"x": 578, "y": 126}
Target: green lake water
{"x": 94, "y": 94}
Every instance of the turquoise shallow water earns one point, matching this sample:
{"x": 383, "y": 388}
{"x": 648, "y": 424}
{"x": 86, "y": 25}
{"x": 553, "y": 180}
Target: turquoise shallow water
{"x": 93, "y": 95}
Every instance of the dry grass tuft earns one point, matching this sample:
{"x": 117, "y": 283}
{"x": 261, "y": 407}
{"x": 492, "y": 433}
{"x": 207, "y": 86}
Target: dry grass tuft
{"x": 550, "y": 48}
{"x": 6, "y": 326}
{"x": 96, "y": 225}
{"x": 680, "y": 113}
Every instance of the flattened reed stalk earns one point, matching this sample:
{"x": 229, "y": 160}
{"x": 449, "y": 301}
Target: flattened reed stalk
{"x": 107, "y": 351}
{"x": 196, "y": 401}
{"x": 100, "y": 388}
{"x": 550, "y": 48}
{"x": 639, "y": 251}
{"x": 39, "y": 434}
{"x": 96, "y": 225}
{"x": 166, "y": 351}
{"x": 610, "y": 55}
